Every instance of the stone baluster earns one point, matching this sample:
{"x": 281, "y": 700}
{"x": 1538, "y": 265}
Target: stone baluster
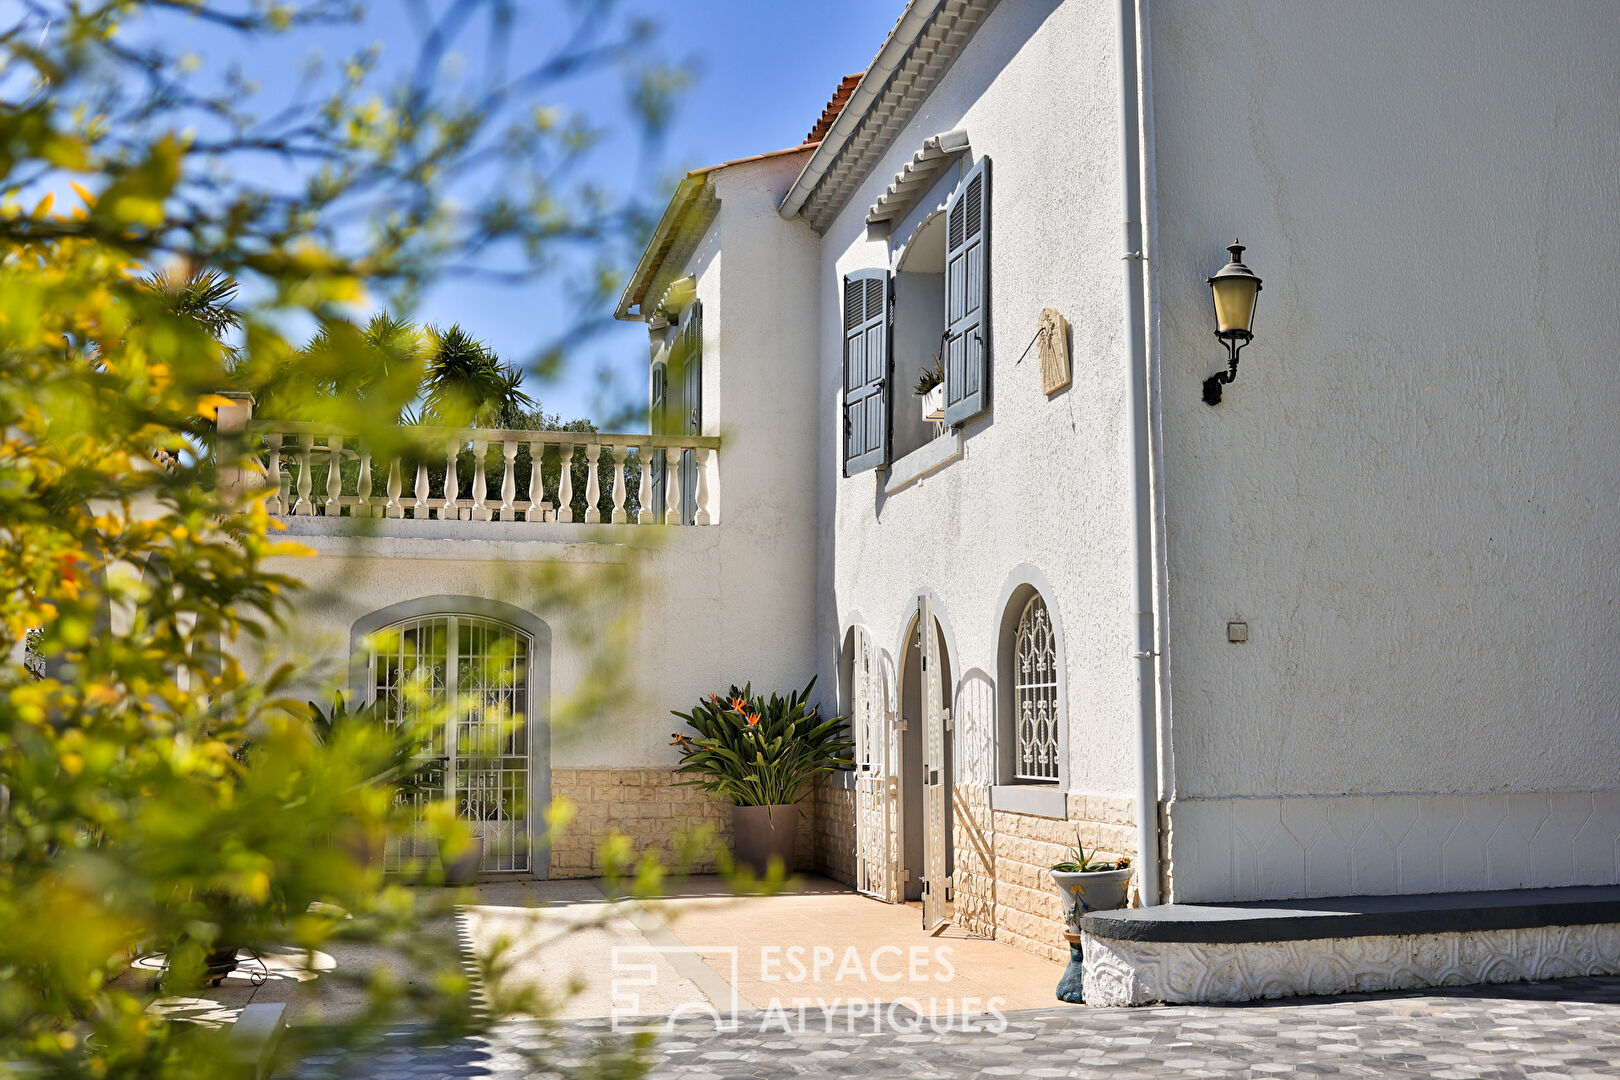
{"x": 593, "y": 483}
{"x": 423, "y": 489}
{"x": 284, "y": 486}
{"x": 509, "y": 451}
{"x": 644, "y": 458}
{"x": 306, "y": 448}
{"x": 619, "y": 454}
{"x": 451, "y": 508}
{"x": 565, "y": 483}
{"x": 701, "y": 512}
{"x": 362, "y": 487}
{"x": 537, "y": 484}
{"x": 672, "y": 486}
{"x": 392, "y": 508}
{"x": 275, "y": 504}
{"x": 480, "y": 511}
{"x": 334, "y": 475}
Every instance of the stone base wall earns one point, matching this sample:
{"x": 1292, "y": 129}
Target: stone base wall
{"x": 655, "y": 813}
{"x": 973, "y": 877}
{"x": 1026, "y": 907}
{"x": 1001, "y": 888}
{"x": 1142, "y": 973}
{"x": 644, "y": 805}
{"x": 832, "y": 848}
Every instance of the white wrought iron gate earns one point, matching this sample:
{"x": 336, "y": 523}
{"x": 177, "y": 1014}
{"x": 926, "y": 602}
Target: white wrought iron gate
{"x": 878, "y": 871}
{"x": 936, "y": 882}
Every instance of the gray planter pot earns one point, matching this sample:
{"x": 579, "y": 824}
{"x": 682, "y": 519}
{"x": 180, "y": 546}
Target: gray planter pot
{"x": 1095, "y": 890}
{"x": 760, "y": 833}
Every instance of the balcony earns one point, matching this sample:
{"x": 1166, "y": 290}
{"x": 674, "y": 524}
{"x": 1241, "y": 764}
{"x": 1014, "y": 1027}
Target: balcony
{"x": 475, "y": 475}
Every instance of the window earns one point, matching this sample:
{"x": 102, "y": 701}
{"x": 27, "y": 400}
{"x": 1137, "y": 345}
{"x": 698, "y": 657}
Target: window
{"x": 936, "y": 303}
{"x": 1037, "y": 746}
{"x": 476, "y": 670}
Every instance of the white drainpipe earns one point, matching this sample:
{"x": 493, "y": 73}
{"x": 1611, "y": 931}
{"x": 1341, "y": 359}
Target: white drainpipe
{"x": 1144, "y": 649}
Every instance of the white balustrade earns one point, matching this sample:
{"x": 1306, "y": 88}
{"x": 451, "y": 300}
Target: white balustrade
{"x": 306, "y": 450}
{"x": 276, "y": 503}
{"x": 293, "y": 451}
{"x": 480, "y": 511}
{"x": 509, "y": 481}
{"x": 700, "y": 513}
{"x": 419, "y": 510}
{"x": 672, "y": 487}
{"x": 593, "y": 484}
{"x": 364, "y": 485}
{"x": 644, "y": 458}
{"x": 618, "y": 485}
{"x": 538, "y": 506}
{"x": 334, "y": 474}
{"x": 565, "y": 485}
{"x": 450, "y": 508}
{"x": 394, "y": 509}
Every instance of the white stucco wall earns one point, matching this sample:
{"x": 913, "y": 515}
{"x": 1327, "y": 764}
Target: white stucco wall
{"x": 1409, "y": 493}
{"x": 729, "y": 602}
{"x": 1041, "y": 481}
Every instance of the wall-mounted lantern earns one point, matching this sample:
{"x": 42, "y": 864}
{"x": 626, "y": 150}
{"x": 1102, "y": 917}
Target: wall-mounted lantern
{"x": 1236, "y": 289}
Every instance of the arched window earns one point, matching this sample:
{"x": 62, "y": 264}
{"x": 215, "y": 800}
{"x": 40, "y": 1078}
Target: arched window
{"x": 1037, "y": 722}
{"x": 474, "y": 672}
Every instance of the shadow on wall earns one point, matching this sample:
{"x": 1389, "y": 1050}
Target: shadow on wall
{"x": 974, "y": 721}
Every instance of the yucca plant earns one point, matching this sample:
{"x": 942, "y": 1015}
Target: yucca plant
{"x": 755, "y": 751}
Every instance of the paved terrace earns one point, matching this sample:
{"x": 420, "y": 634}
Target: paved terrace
{"x": 932, "y": 1008}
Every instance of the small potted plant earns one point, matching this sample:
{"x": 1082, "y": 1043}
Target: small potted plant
{"x": 931, "y": 388}
{"x": 1086, "y": 883}
{"x": 761, "y": 755}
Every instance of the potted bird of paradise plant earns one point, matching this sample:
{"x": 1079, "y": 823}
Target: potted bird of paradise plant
{"x": 761, "y": 755}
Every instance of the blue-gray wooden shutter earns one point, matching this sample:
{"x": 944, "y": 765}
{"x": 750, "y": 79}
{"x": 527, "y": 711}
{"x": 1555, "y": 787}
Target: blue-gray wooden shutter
{"x": 967, "y": 297}
{"x": 866, "y": 370}
{"x": 657, "y": 424}
{"x": 689, "y": 347}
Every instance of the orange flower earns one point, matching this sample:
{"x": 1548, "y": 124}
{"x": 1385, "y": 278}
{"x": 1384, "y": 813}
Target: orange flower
{"x": 752, "y": 718}
{"x": 714, "y": 699}
{"x": 677, "y": 738}
{"x": 737, "y": 704}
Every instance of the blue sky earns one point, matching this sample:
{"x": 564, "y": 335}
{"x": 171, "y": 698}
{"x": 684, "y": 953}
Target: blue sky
{"x": 762, "y": 71}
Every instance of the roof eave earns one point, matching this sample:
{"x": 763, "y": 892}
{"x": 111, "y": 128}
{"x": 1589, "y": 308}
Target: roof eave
{"x": 900, "y": 40}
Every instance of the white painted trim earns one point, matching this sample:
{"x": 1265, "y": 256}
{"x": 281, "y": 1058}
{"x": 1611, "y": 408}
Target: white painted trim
{"x": 1038, "y": 800}
{"x": 928, "y": 458}
{"x": 916, "y": 177}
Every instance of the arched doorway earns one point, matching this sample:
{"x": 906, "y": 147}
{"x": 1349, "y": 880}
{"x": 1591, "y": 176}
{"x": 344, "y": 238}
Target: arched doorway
{"x": 473, "y": 677}
{"x": 926, "y": 764}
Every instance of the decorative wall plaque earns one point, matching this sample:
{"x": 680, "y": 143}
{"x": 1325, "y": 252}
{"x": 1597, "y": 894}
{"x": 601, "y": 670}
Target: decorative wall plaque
{"x": 1053, "y": 341}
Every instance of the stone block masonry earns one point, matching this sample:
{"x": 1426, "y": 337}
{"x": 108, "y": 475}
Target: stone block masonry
{"x": 1025, "y": 906}
{"x": 651, "y": 809}
{"x": 1001, "y": 888}
{"x": 832, "y": 851}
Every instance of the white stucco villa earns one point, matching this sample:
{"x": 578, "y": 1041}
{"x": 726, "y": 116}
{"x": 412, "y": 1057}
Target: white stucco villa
{"x": 1354, "y": 631}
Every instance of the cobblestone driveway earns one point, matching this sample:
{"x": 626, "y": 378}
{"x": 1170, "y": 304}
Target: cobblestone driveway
{"x": 1564, "y": 1030}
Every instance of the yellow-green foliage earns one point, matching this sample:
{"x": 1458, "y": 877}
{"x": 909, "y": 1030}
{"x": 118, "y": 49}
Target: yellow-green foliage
{"x": 153, "y": 796}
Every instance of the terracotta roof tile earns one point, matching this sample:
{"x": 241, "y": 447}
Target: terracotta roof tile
{"x": 835, "y": 106}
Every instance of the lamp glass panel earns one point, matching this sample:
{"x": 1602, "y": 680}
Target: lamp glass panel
{"x": 1234, "y": 302}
